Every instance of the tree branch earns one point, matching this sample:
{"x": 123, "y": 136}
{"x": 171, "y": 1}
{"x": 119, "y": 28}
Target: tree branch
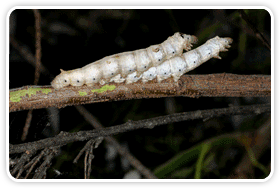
{"x": 64, "y": 138}
{"x": 214, "y": 85}
{"x": 122, "y": 151}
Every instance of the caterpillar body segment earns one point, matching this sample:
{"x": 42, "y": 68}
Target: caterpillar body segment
{"x": 93, "y": 74}
{"x": 150, "y": 74}
{"x": 142, "y": 61}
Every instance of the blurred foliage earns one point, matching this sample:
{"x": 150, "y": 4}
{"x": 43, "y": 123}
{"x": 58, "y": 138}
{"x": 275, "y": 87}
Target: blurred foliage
{"x": 74, "y": 38}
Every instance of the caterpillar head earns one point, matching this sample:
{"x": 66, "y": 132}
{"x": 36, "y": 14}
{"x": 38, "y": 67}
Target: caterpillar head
{"x": 188, "y": 41}
{"x": 223, "y": 43}
{"x": 62, "y": 80}
{"x": 226, "y": 41}
{"x": 183, "y": 41}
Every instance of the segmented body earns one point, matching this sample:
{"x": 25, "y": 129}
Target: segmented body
{"x": 139, "y": 61}
{"x": 174, "y": 66}
{"x": 177, "y": 66}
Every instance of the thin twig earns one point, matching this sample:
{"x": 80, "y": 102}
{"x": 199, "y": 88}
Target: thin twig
{"x": 40, "y": 172}
{"x": 222, "y": 85}
{"x": 122, "y": 151}
{"x": 20, "y": 164}
{"x": 82, "y": 151}
{"x": 37, "y": 45}
{"x": 37, "y": 67}
{"x": 85, "y": 164}
{"x": 27, "y": 125}
{"x": 258, "y": 34}
{"x": 64, "y": 138}
{"x": 88, "y": 149}
{"x": 90, "y": 158}
{"x": 34, "y": 161}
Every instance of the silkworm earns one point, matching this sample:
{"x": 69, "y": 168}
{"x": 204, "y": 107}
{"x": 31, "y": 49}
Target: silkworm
{"x": 177, "y": 66}
{"x": 111, "y": 69}
{"x": 117, "y": 67}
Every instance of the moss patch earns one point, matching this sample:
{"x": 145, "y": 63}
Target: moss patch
{"x": 15, "y": 96}
{"x": 81, "y": 93}
{"x": 104, "y": 88}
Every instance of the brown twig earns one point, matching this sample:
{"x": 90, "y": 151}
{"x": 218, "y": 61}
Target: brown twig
{"x": 37, "y": 67}
{"x": 90, "y": 158}
{"x": 33, "y": 162}
{"x": 37, "y": 45}
{"x": 214, "y": 85}
{"x": 64, "y": 138}
{"x": 27, "y": 125}
{"x": 122, "y": 151}
{"x": 88, "y": 149}
{"x": 20, "y": 163}
{"x": 41, "y": 172}
{"x": 258, "y": 34}
{"x": 83, "y": 150}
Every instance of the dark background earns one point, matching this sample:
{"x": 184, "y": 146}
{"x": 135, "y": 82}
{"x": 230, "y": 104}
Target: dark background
{"x": 74, "y": 38}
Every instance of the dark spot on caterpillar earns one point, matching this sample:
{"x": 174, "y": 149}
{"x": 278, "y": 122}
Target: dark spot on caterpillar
{"x": 145, "y": 66}
{"x": 150, "y": 74}
{"x": 135, "y": 76}
{"x": 78, "y": 81}
{"x": 193, "y": 61}
{"x": 173, "y": 52}
{"x": 180, "y": 70}
{"x": 130, "y": 70}
{"x": 65, "y": 80}
{"x": 159, "y": 59}
{"x": 93, "y": 78}
{"x": 209, "y": 53}
{"x": 156, "y": 49}
{"x": 164, "y": 73}
{"x": 112, "y": 73}
{"x": 182, "y": 35}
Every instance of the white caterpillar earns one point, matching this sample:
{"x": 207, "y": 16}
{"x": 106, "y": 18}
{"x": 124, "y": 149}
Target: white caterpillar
{"x": 175, "y": 67}
{"x": 117, "y": 67}
{"x": 179, "y": 65}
